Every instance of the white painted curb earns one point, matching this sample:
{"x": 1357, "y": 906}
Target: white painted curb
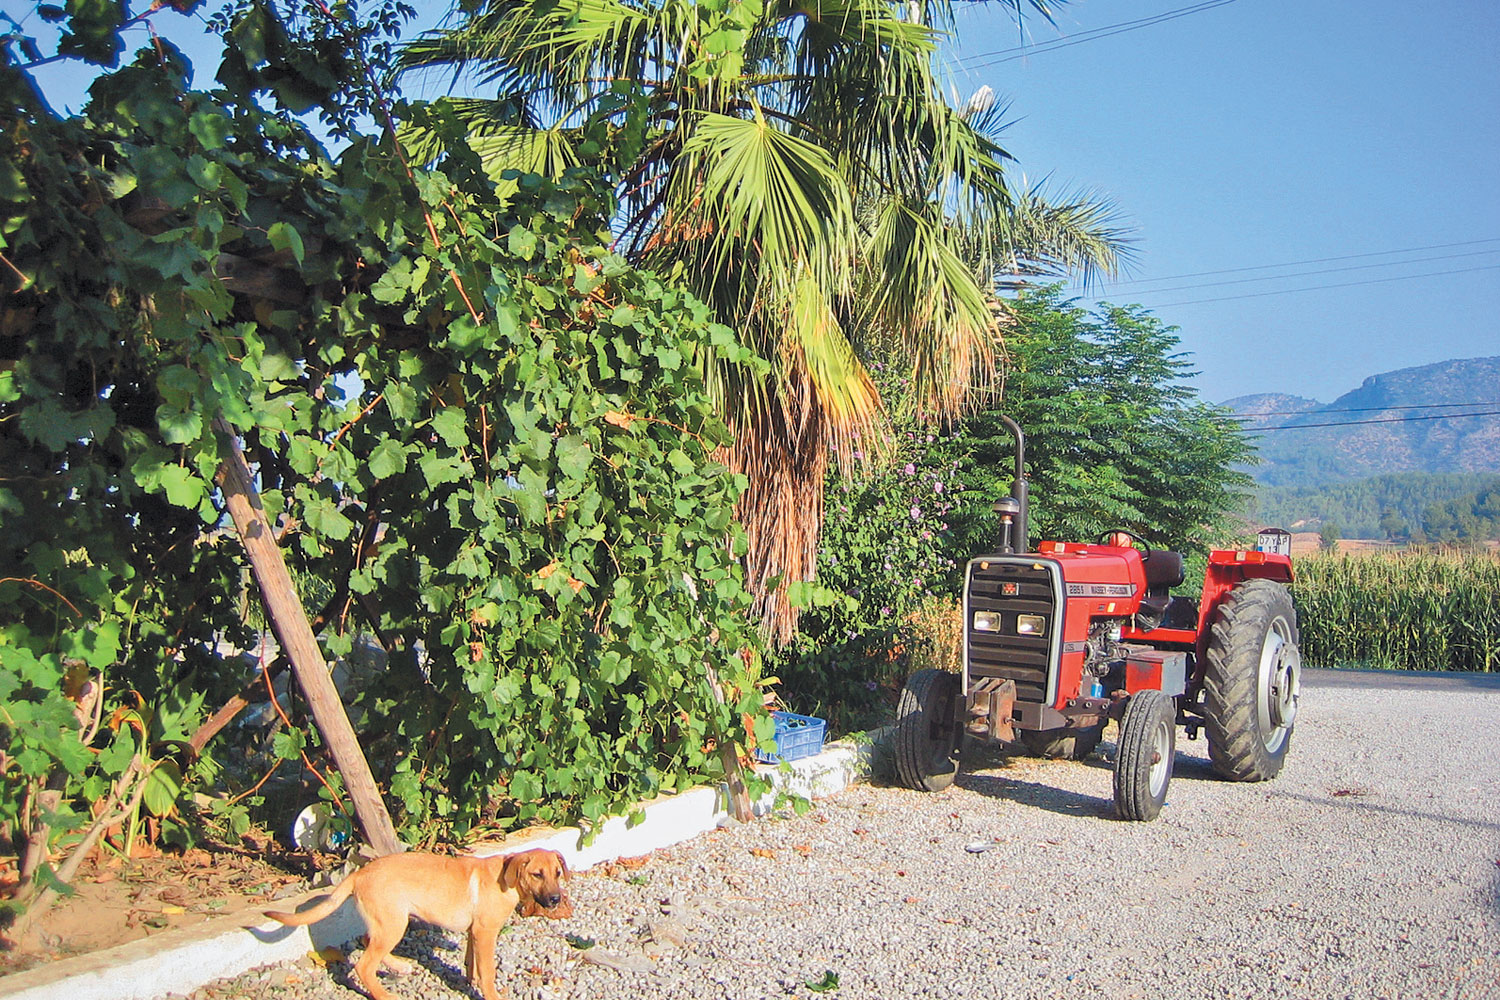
{"x": 182, "y": 960}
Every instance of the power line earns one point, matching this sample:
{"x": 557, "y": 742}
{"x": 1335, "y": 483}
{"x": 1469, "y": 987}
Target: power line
{"x": 1093, "y": 34}
{"x": 1377, "y": 420}
{"x": 1316, "y": 288}
{"x": 1362, "y": 409}
{"x": 1322, "y": 270}
{"x": 1300, "y": 263}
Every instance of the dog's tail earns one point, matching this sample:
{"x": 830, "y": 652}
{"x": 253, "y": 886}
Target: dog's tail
{"x": 330, "y": 903}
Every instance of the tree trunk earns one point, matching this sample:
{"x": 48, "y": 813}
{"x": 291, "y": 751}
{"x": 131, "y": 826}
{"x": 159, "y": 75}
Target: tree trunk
{"x": 289, "y": 622}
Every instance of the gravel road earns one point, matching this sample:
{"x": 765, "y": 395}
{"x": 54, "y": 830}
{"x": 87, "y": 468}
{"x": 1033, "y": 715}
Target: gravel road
{"x": 1369, "y": 869}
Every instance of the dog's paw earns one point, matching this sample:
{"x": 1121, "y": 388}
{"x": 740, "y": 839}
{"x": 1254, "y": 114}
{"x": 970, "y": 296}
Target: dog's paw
{"x": 399, "y": 966}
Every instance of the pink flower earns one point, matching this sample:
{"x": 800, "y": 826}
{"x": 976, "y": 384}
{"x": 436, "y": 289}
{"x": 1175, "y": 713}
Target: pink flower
{"x": 916, "y": 513}
{"x": 910, "y": 470}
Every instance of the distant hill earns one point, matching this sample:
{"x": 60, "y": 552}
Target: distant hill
{"x": 1396, "y": 505}
{"x": 1386, "y": 427}
{"x": 1269, "y": 407}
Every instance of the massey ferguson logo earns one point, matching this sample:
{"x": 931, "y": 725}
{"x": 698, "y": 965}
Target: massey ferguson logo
{"x": 1010, "y": 589}
{"x": 1100, "y": 590}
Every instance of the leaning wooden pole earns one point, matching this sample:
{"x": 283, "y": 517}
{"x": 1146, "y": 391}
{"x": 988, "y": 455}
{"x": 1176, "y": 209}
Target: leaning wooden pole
{"x": 734, "y": 777}
{"x": 289, "y": 622}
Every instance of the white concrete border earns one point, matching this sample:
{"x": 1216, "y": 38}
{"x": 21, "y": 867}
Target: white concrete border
{"x": 183, "y": 959}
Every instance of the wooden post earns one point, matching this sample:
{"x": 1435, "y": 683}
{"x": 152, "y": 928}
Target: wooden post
{"x": 734, "y": 777}
{"x": 289, "y": 622}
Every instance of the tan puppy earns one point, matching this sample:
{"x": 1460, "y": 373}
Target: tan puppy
{"x": 477, "y": 895}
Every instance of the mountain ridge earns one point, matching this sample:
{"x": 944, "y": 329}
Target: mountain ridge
{"x": 1398, "y": 421}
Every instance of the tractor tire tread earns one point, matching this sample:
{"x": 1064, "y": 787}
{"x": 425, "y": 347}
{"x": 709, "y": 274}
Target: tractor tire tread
{"x": 1230, "y": 678}
{"x": 911, "y": 744}
{"x": 1138, "y": 728}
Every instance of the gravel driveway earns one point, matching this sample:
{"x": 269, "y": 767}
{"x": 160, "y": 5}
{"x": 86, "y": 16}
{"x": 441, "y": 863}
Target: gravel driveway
{"x": 1369, "y": 868}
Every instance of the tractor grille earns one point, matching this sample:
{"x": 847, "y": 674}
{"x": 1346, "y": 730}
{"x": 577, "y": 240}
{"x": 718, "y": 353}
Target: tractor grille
{"x": 1025, "y": 659}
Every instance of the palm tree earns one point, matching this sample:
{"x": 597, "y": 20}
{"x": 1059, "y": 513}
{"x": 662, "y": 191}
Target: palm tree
{"x": 800, "y": 168}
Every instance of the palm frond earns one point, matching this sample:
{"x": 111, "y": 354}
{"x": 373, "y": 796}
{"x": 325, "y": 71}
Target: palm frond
{"x": 923, "y": 298}
{"x": 502, "y": 134}
{"x": 760, "y": 138}
{"x": 1081, "y": 235}
{"x": 752, "y": 189}
{"x": 814, "y": 342}
{"x": 562, "y": 48}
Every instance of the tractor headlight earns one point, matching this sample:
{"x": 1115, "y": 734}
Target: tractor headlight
{"x": 986, "y": 621}
{"x": 1030, "y": 625}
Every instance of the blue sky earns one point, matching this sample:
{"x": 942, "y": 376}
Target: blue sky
{"x": 1258, "y": 132}
{"x": 1245, "y": 133}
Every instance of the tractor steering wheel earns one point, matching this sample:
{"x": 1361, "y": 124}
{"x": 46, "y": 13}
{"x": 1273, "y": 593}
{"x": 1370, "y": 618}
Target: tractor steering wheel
{"x": 1107, "y": 538}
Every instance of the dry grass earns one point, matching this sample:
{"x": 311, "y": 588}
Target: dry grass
{"x": 937, "y": 630}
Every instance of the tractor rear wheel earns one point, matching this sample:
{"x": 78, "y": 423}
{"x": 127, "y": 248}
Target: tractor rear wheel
{"x": 928, "y": 736}
{"x": 1147, "y": 748}
{"x": 1252, "y": 680}
{"x": 1063, "y": 744}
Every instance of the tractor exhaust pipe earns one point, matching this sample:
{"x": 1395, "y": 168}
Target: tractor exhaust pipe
{"x": 1013, "y": 509}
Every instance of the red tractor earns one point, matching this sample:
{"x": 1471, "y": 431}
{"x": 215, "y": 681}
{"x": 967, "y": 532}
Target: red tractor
{"x": 1059, "y": 640}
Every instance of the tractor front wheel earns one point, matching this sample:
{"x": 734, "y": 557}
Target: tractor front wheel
{"x": 928, "y": 736}
{"x": 1143, "y": 762}
{"x": 1063, "y": 744}
{"x": 1252, "y": 681}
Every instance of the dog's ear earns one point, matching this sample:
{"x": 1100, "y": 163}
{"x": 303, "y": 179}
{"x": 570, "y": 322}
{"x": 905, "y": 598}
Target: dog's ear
{"x": 510, "y": 872}
{"x": 562, "y": 864}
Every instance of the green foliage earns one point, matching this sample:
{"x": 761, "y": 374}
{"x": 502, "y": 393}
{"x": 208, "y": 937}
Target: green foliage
{"x": 807, "y": 173}
{"x": 827, "y": 984}
{"x": 1413, "y": 611}
{"x": 333, "y": 60}
{"x": 1115, "y": 436}
{"x": 1393, "y": 506}
{"x": 884, "y": 553}
{"x": 1467, "y": 519}
{"x": 469, "y": 420}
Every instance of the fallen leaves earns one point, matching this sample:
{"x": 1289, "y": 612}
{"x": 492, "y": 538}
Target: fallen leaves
{"x": 618, "y": 865}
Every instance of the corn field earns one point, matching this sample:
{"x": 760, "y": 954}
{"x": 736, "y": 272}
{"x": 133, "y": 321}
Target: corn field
{"x": 1408, "y": 611}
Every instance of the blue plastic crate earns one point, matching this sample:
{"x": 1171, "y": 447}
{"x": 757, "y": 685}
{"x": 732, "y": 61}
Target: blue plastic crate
{"x": 797, "y": 736}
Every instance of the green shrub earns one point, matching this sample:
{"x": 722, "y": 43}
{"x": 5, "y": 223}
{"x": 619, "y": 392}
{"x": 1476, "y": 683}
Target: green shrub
{"x": 476, "y": 427}
{"x": 885, "y": 555}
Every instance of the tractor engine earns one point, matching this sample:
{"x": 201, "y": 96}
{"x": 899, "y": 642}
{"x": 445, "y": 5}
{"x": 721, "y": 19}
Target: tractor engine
{"x": 1105, "y": 654}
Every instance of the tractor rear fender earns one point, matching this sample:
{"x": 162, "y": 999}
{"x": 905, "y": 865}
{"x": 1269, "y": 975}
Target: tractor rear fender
{"x": 1227, "y": 568}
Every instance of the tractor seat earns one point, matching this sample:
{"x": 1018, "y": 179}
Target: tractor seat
{"x": 1163, "y": 571}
